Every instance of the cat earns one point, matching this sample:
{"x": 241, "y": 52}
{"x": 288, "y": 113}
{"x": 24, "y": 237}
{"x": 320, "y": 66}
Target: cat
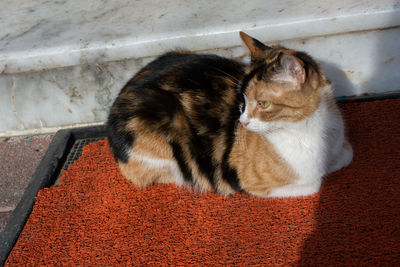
{"x": 270, "y": 129}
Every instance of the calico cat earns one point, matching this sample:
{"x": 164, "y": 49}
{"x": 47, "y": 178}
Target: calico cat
{"x": 270, "y": 129}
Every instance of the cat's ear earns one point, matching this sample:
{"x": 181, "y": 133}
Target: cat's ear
{"x": 255, "y": 47}
{"x": 291, "y": 71}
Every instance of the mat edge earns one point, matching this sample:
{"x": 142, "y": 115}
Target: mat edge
{"x": 45, "y": 175}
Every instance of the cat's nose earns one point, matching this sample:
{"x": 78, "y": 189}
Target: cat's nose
{"x": 244, "y": 122}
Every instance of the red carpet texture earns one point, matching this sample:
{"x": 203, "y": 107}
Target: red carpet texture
{"x": 96, "y": 217}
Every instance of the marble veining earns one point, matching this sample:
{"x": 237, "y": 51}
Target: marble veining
{"x": 46, "y": 100}
{"x": 63, "y": 62}
{"x": 43, "y": 34}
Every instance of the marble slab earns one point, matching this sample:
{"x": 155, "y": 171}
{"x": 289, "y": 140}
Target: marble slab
{"x": 45, "y": 101}
{"x": 63, "y": 62}
{"x": 42, "y": 34}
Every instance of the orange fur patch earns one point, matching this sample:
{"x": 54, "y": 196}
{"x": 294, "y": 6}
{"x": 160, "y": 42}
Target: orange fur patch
{"x": 286, "y": 105}
{"x": 141, "y": 175}
{"x": 259, "y": 167}
{"x": 152, "y": 146}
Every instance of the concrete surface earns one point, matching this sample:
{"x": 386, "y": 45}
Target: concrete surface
{"x": 19, "y": 157}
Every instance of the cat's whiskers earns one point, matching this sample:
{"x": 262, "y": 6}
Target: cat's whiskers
{"x": 237, "y": 82}
{"x": 301, "y": 115}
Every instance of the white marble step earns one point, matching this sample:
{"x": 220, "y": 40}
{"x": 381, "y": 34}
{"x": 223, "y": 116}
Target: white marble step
{"x": 42, "y": 34}
{"x": 63, "y": 62}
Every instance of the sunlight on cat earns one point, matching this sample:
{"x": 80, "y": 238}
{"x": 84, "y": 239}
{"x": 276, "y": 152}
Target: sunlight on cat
{"x": 271, "y": 128}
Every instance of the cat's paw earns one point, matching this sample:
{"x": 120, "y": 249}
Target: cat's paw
{"x": 295, "y": 190}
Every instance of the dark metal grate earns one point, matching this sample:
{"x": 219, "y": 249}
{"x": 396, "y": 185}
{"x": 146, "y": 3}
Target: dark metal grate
{"x": 75, "y": 153}
{"x": 76, "y": 150}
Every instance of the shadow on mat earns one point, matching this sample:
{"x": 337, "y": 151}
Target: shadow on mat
{"x": 357, "y": 220}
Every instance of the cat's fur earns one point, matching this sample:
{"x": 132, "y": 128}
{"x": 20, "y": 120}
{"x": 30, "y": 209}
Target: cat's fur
{"x": 177, "y": 121}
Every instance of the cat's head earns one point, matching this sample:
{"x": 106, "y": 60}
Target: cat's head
{"x": 282, "y": 85}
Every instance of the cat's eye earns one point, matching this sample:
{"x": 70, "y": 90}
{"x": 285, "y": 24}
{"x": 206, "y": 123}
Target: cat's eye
{"x": 264, "y": 104}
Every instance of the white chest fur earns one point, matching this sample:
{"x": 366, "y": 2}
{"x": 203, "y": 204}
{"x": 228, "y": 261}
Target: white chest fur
{"x": 311, "y": 145}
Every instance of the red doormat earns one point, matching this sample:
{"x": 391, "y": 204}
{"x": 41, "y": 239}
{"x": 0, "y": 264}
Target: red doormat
{"x": 96, "y": 217}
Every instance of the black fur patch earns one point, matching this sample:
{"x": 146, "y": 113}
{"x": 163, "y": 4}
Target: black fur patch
{"x": 201, "y": 148}
{"x": 228, "y": 172}
{"x": 156, "y": 106}
{"x": 178, "y": 154}
{"x": 120, "y": 143}
{"x": 156, "y": 96}
{"x": 308, "y": 61}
